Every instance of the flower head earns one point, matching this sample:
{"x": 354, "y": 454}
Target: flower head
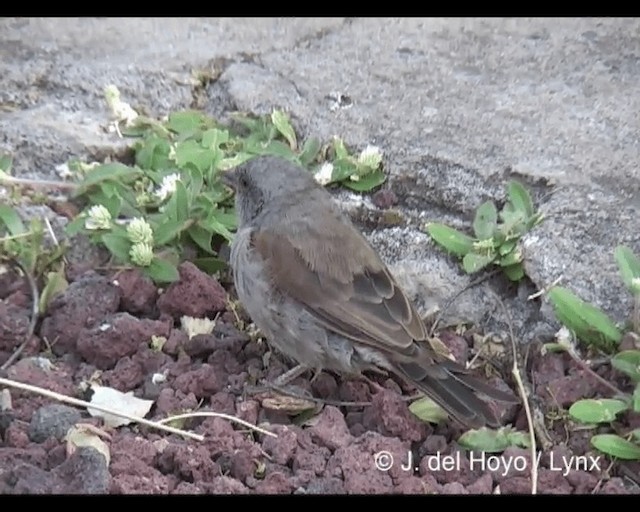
{"x": 98, "y": 217}
{"x": 324, "y": 174}
{"x": 168, "y": 186}
{"x": 140, "y": 232}
{"x": 370, "y": 157}
{"x": 141, "y": 254}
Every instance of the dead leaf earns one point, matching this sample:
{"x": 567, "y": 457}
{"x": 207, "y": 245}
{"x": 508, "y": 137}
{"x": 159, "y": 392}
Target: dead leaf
{"x": 80, "y": 436}
{"x": 287, "y": 404}
{"x": 117, "y": 401}
{"x": 194, "y": 326}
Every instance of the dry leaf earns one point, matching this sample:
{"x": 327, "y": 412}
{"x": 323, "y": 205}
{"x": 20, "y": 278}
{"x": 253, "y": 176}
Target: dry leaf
{"x": 287, "y": 404}
{"x": 117, "y": 401}
{"x": 193, "y": 326}
{"x": 81, "y": 436}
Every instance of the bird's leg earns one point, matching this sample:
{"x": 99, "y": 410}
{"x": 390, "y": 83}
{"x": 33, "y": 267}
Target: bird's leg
{"x": 316, "y": 374}
{"x": 290, "y": 375}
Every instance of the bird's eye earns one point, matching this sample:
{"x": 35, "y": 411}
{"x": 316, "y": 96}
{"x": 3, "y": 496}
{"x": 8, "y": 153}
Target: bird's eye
{"x": 244, "y": 182}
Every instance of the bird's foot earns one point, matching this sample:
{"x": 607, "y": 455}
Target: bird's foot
{"x": 289, "y": 376}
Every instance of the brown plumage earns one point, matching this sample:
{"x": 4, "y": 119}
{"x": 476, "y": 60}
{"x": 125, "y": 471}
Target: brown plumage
{"x": 323, "y": 296}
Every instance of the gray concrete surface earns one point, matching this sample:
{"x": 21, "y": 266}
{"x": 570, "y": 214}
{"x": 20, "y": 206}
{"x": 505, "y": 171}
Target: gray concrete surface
{"x": 457, "y": 106}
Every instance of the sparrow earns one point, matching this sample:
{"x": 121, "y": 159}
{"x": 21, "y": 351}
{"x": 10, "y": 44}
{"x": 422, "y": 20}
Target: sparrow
{"x": 321, "y": 294}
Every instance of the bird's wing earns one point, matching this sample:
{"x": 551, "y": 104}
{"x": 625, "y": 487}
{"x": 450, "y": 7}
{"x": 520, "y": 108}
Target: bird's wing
{"x": 340, "y": 279}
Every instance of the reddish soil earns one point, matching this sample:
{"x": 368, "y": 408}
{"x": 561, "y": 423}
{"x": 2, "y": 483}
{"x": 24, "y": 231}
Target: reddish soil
{"x": 101, "y": 327}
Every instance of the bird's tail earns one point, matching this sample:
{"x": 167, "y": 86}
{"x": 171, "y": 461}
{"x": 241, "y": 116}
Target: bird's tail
{"x": 454, "y": 389}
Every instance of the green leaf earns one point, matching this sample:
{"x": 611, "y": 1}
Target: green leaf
{"x": 188, "y": 121}
{"x": 473, "y": 262}
{"x": 512, "y": 258}
{"x": 367, "y": 182}
{"x": 209, "y": 265}
{"x": 636, "y": 434}
{"x": 520, "y": 198}
{"x": 75, "y": 226}
{"x": 628, "y": 362}
{"x": 340, "y": 149}
{"x": 486, "y": 218}
{"x": 238, "y": 159}
{"x": 182, "y": 202}
{"x": 214, "y": 138}
{"x": 281, "y": 121}
{"x": 342, "y": 169}
{"x": 428, "y": 411}
{"x": 167, "y": 231}
{"x": 153, "y": 153}
{"x": 597, "y": 411}
{"x": 493, "y": 441}
{"x": 190, "y": 152}
{"x": 202, "y": 237}
{"x": 514, "y": 272}
{"x": 629, "y": 266}
{"x": 588, "y": 322}
{"x": 118, "y": 244}
{"x": 6, "y": 161}
{"x": 451, "y": 239}
{"x": 55, "y": 283}
{"x": 506, "y": 247}
{"x": 636, "y": 398}
{"x": 111, "y": 171}
{"x": 310, "y": 151}
{"x": 10, "y": 218}
{"x": 274, "y": 148}
{"x": 616, "y": 446}
{"x": 162, "y": 271}
{"x": 213, "y": 224}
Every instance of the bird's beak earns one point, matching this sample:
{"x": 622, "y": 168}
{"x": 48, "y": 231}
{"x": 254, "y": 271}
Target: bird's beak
{"x": 229, "y": 178}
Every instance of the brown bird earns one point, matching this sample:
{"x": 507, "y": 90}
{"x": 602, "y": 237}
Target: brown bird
{"x": 321, "y": 294}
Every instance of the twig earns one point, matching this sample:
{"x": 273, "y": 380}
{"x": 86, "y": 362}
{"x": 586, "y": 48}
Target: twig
{"x": 217, "y": 415}
{"x": 544, "y": 290}
{"x": 584, "y": 366}
{"x": 450, "y": 301}
{"x": 523, "y": 395}
{"x": 599, "y": 484}
{"x": 35, "y": 295}
{"x": 26, "y": 182}
{"x": 87, "y": 405}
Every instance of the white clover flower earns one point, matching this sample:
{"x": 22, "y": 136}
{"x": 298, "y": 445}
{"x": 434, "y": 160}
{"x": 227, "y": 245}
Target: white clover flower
{"x": 324, "y": 174}
{"x": 141, "y": 254}
{"x": 370, "y": 157}
{"x": 140, "y": 232}
{"x": 98, "y": 217}
{"x": 120, "y": 110}
{"x": 167, "y": 187}
{"x": 64, "y": 171}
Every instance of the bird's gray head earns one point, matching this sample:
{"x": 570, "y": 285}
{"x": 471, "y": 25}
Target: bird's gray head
{"x": 263, "y": 180}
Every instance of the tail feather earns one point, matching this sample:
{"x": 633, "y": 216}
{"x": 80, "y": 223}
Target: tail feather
{"x": 456, "y": 392}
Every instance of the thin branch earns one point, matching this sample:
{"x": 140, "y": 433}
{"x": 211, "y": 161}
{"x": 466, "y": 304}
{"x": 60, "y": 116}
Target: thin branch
{"x": 451, "y": 300}
{"x": 217, "y": 415}
{"x": 523, "y": 395}
{"x": 26, "y": 182}
{"x": 35, "y": 311}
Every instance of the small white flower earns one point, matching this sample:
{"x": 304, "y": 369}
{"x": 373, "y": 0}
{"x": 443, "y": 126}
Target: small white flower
{"x": 64, "y": 171}
{"x": 140, "y": 231}
{"x": 98, "y": 217}
{"x": 370, "y": 157}
{"x": 167, "y": 187}
{"x": 120, "y": 110}
{"x": 324, "y": 174}
{"x": 141, "y": 254}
